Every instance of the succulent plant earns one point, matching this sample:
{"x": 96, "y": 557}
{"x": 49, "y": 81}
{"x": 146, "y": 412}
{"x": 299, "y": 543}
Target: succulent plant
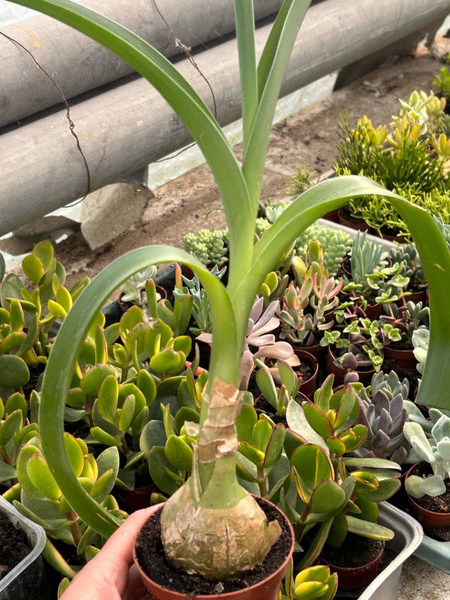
{"x": 407, "y": 256}
{"x": 383, "y": 413}
{"x": 260, "y": 444}
{"x": 421, "y": 109}
{"x": 313, "y": 582}
{"x": 134, "y": 286}
{"x": 335, "y": 245}
{"x": 40, "y": 499}
{"x": 402, "y": 321}
{"x": 176, "y": 316}
{"x": 326, "y": 488}
{"x": 434, "y": 449}
{"x": 367, "y": 260}
{"x": 289, "y": 382}
{"x": 365, "y": 345}
{"x": 420, "y": 341}
{"x": 208, "y": 246}
{"x": 201, "y": 309}
{"x": 260, "y": 324}
{"x": 27, "y": 314}
{"x": 442, "y": 82}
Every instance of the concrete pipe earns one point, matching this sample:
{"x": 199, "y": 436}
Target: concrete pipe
{"x": 79, "y": 64}
{"x": 129, "y": 127}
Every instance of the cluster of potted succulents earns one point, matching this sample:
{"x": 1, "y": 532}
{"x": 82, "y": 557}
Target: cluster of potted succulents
{"x": 410, "y": 157}
{"x": 125, "y": 406}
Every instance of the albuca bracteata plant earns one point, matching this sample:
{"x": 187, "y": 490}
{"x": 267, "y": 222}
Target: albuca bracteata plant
{"x": 211, "y": 524}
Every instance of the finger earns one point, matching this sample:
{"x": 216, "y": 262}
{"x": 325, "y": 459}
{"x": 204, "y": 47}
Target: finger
{"x": 108, "y": 570}
{"x": 116, "y": 556}
{"x": 135, "y": 587}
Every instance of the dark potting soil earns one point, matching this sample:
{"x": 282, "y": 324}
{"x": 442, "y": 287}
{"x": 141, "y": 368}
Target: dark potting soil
{"x": 306, "y": 370}
{"x": 403, "y": 345}
{"x": 14, "y": 546}
{"x": 262, "y": 406}
{"x": 386, "y": 559}
{"x": 151, "y": 557}
{"x": 356, "y": 551}
{"x": 345, "y": 214}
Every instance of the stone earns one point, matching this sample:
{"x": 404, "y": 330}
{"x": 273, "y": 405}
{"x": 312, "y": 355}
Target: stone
{"x": 108, "y": 212}
{"x": 46, "y": 225}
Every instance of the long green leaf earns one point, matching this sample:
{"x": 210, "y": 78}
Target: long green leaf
{"x": 69, "y": 341}
{"x": 255, "y": 153}
{"x": 186, "y": 103}
{"x": 433, "y": 250}
{"x": 245, "y": 31}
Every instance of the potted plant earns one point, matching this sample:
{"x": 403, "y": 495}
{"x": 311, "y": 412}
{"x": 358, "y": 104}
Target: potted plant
{"x": 212, "y": 499}
{"x": 427, "y": 482}
{"x": 22, "y": 543}
{"x": 334, "y": 494}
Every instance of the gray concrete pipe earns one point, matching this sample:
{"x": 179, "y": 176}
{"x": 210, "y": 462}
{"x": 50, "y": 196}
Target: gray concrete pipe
{"x": 129, "y": 127}
{"x": 79, "y": 64}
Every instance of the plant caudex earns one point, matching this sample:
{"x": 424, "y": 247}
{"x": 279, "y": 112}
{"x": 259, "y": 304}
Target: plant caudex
{"x": 211, "y": 524}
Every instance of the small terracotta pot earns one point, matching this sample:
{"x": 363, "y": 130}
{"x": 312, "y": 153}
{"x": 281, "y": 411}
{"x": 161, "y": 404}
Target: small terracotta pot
{"x": 357, "y": 224}
{"x": 357, "y": 577}
{"x": 332, "y": 215}
{"x": 428, "y": 517}
{"x": 199, "y": 370}
{"x": 373, "y": 311}
{"x": 403, "y": 358}
{"x": 308, "y": 387}
{"x": 339, "y": 373}
{"x": 135, "y": 499}
{"x": 398, "y": 239}
{"x": 316, "y": 350}
{"x": 420, "y": 296}
{"x": 267, "y": 589}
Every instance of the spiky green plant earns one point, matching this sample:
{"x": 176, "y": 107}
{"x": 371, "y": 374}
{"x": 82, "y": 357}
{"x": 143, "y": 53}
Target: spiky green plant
{"x": 212, "y": 502}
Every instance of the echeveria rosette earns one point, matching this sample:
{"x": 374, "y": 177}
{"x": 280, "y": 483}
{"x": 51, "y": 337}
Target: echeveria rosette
{"x": 383, "y": 413}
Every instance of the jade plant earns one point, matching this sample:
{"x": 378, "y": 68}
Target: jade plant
{"x": 28, "y": 312}
{"x": 332, "y": 490}
{"x": 212, "y": 501}
{"x": 313, "y": 582}
{"x": 288, "y": 380}
{"x": 434, "y": 449}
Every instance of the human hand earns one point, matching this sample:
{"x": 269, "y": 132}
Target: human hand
{"x": 108, "y": 576}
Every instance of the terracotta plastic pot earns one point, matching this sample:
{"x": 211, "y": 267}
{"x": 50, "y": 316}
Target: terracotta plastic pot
{"x": 428, "y": 517}
{"x": 267, "y": 589}
{"x": 308, "y": 387}
{"x": 420, "y": 296}
{"x": 136, "y": 499}
{"x": 199, "y": 370}
{"x": 332, "y": 215}
{"x": 403, "y": 358}
{"x": 358, "y": 577}
{"x": 373, "y": 311}
{"x": 398, "y": 239}
{"x": 339, "y": 373}
{"x": 360, "y": 225}
{"x": 316, "y": 350}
